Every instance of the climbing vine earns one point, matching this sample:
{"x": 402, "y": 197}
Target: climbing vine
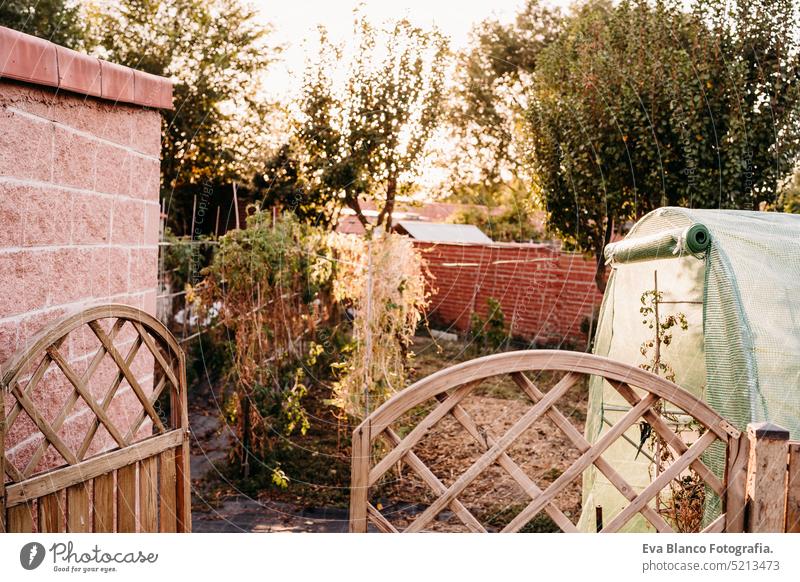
{"x": 383, "y": 281}
{"x": 683, "y": 504}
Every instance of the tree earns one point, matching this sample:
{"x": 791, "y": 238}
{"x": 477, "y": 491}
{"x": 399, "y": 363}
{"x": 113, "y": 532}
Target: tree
{"x": 58, "y": 21}
{"x": 365, "y": 139}
{"x": 283, "y": 183}
{"x": 489, "y": 95}
{"x": 642, "y": 104}
{"x": 505, "y": 211}
{"x": 789, "y": 200}
{"x": 216, "y": 52}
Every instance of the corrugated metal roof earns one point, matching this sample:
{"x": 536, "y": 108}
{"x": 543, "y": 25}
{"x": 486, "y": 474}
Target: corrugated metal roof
{"x": 443, "y": 232}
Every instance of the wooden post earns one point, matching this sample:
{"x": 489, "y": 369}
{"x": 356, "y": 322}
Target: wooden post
{"x": 793, "y": 490}
{"x": 236, "y": 205}
{"x": 766, "y": 477}
{"x": 2, "y": 460}
{"x": 359, "y": 479}
{"x": 180, "y": 418}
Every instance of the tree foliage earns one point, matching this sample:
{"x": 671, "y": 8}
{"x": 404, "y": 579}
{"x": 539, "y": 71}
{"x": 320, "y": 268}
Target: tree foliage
{"x": 59, "y": 21}
{"x": 504, "y": 211}
{"x": 216, "y": 52}
{"x": 789, "y": 200}
{"x": 489, "y": 93}
{"x": 364, "y": 138}
{"x": 642, "y": 104}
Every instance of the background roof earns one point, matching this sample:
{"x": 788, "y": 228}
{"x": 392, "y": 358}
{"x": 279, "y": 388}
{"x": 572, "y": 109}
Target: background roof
{"x": 442, "y": 232}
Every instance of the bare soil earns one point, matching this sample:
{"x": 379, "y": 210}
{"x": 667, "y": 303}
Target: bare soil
{"x": 543, "y": 452}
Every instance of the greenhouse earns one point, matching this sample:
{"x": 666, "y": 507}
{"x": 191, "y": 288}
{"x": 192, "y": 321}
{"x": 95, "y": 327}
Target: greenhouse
{"x": 722, "y": 287}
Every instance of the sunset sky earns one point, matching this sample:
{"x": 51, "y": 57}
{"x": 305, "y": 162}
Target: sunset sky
{"x": 296, "y": 22}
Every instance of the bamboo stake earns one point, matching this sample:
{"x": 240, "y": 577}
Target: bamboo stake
{"x": 236, "y": 205}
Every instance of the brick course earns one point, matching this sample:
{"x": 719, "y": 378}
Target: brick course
{"x": 545, "y": 294}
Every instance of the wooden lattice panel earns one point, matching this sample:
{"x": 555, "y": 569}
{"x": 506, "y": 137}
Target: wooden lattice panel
{"x": 378, "y": 448}
{"x": 95, "y": 408}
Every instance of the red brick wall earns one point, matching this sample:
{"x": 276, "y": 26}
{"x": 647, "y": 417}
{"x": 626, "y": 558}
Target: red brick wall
{"x": 79, "y": 185}
{"x": 545, "y": 294}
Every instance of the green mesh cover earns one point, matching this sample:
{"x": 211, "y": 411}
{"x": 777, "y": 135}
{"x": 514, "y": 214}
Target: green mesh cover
{"x": 737, "y": 283}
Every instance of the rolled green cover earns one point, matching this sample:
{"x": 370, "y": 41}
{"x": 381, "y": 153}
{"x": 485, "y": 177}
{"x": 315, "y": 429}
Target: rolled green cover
{"x": 697, "y": 238}
{"x": 674, "y": 243}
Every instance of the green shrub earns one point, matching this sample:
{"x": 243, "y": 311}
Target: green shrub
{"x": 489, "y": 333}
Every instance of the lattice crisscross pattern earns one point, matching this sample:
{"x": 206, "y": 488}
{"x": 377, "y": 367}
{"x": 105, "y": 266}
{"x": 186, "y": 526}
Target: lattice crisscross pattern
{"x": 116, "y": 368}
{"x": 448, "y": 388}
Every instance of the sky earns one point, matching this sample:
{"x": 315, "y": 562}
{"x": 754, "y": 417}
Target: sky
{"x": 295, "y": 21}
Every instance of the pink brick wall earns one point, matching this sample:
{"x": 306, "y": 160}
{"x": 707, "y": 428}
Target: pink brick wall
{"x": 79, "y": 185}
{"x": 545, "y": 294}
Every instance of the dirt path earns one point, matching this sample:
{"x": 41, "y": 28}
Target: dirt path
{"x": 211, "y": 441}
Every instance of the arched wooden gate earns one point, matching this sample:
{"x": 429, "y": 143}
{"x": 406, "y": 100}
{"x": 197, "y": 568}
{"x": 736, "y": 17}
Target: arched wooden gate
{"x": 101, "y": 438}
{"x": 447, "y": 389}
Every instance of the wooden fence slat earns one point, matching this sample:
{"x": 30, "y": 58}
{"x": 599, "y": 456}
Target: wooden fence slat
{"x": 109, "y": 396}
{"x": 156, "y": 352}
{"x": 79, "y": 519}
{"x": 73, "y": 398}
{"x": 38, "y": 374}
{"x": 490, "y": 456}
{"x": 87, "y": 396}
{"x": 380, "y": 522}
{"x": 419, "y": 431}
{"x": 736, "y": 483}
{"x": 126, "y": 499}
{"x": 167, "y": 518}
{"x": 20, "y": 518}
{"x": 584, "y": 461}
{"x": 89, "y": 469}
{"x": 148, "y": 495}
{"x": 510, "y": 467}
{"x": 421, "y": 469}
{"x": 793, "y": 490}
{"x": 716, "y": 526}
{"x": 179, "y": 417}
{"x": 580, "y": 442}
{"x": 51, "y": 517}
{"x": 129, "y": 376}
{"x": 140, "y": 417}
{"x": 359, "y": 478}
{"x": 673, "y": 471}
{"x": 183, "y": 501}
{"x": 104, "y": 503}
{"x": 672, "y": 439}
{"x": 43, "y": 426}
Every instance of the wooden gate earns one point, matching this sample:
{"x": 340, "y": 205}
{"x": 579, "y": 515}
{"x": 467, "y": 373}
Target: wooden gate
{"x": 443, "y": 392}
{"x": 100, "y": 438}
